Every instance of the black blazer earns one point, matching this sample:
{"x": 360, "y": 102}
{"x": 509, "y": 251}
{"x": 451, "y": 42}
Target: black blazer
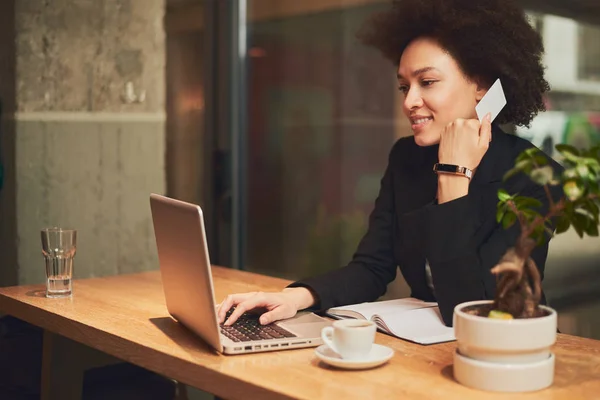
{"x": 460, "y": 239}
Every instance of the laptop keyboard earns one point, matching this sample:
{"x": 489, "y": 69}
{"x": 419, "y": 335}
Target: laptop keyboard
{"x": 247, "y": 328}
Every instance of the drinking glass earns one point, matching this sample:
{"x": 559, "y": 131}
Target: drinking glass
{"x": 58, "y": 247}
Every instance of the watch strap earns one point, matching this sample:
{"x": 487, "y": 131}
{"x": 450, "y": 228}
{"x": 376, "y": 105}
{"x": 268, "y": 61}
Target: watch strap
{"x": 453, "y": 170}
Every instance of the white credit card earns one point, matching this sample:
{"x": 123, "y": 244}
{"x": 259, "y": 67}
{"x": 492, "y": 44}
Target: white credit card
{"x": 493, "y": 102}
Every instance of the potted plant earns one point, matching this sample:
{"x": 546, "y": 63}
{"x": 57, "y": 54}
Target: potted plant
{"x": 504, "y": 344}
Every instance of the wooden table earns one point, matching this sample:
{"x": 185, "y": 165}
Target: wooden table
{"x": 125, "y": 316}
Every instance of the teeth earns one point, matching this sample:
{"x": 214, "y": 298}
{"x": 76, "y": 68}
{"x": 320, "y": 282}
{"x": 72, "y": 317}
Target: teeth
{"x": 420, "y": 121}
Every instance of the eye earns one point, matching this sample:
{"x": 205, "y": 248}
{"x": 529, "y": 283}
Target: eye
{"x": 426, "y": 83}
{"x": 403, "y": 88}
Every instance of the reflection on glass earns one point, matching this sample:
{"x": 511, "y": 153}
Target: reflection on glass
{"x": 323, "y": 114}
{"x": 573, "y": 115}
{"x": 321, "y": 123}
{"x": 185, "y": 99}
{"x": 589, "y": 52}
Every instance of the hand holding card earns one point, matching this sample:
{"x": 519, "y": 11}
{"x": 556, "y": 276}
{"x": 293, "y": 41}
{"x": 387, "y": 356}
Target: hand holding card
{"x": 493, "y": 102}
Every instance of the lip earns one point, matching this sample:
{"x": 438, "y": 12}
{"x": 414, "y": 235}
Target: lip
{"x": 420, "y": 126}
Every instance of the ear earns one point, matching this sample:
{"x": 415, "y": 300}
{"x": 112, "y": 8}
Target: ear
{"x": 481, "y": 89}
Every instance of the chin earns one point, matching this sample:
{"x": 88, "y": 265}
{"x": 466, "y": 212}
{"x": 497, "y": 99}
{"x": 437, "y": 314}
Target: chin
{"x": 424, "y": 139}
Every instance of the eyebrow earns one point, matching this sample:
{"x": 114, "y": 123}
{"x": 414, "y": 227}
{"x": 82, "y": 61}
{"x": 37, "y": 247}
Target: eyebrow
{"x": 418, "y": 72}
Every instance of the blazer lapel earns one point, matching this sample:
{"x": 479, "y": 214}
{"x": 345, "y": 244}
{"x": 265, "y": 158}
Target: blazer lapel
{"x": 415, "y": 187}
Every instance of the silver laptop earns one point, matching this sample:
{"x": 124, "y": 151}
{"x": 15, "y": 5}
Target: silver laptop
{"x": 188, "y": 287}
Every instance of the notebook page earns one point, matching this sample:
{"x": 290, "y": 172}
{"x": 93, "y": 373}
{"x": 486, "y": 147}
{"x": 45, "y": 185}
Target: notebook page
{"x": 424, "y": 326}
{"x": 367, "y": 310}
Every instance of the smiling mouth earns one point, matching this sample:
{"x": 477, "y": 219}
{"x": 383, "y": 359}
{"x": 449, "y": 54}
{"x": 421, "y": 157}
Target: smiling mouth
{"x": 419, "y": 123}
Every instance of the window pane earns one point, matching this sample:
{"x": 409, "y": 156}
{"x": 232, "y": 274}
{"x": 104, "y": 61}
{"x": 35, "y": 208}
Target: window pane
{"x": 321, "y": 122}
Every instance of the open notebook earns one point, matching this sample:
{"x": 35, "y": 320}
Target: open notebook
{"x": 410, "y": 319}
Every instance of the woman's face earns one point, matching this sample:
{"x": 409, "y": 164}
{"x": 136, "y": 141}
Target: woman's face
{"x": 436, "y": 91}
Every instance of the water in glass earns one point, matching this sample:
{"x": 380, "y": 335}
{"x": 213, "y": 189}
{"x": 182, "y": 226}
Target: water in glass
{"x": 58, "y": 248}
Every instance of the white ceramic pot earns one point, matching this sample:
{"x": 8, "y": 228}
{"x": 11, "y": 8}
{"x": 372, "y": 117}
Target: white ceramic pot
{"x": 504, "y": 355}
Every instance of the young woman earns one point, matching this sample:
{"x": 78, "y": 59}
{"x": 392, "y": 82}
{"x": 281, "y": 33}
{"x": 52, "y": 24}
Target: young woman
{"x": 438, "y": 228}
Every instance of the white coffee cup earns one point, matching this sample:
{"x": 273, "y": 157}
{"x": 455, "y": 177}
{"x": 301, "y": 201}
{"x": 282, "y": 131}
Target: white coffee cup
{"x": 350, "y": 338}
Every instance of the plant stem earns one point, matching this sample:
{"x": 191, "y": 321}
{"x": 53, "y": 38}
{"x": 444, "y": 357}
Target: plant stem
{"x": 554, "y": 211}
{"x": 550, "y": 199}
{"x": 519, "y": 214}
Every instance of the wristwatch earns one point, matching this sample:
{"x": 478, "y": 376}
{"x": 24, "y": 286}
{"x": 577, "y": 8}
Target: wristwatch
{"x": 453, "y": 170}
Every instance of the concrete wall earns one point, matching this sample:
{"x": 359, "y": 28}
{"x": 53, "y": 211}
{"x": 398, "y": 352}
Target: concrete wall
{"x": 91, "y": 172}
{"x": 89, "y": 133}
{"x": 78, "y": 55}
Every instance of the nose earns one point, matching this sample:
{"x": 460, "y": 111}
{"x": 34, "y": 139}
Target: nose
{"x": 413, "y": 99}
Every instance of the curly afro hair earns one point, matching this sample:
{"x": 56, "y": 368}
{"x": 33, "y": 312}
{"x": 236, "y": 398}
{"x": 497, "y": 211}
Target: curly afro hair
{"x": 489, "y": 39}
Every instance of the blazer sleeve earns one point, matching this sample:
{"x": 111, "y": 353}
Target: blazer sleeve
{"x": 372, "y": 266}
{"x": 460, "y": 260}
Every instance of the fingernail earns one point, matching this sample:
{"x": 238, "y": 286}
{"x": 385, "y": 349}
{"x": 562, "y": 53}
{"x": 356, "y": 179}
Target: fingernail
{"x": 488, "y": 117}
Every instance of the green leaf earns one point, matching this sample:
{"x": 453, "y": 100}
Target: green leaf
{"x": 541, "y": 160}
{"x": 583, "y": 171}
{"x": 508, "y": 220}
{"x": 579, "y": 224}
{"x": 593, "y": 152}
{"x": 528, "y": 154}
{"x": 532, "y": 151}
{"x": 592, "y": 230}
{"x": 500, "y": 214}
{"x": 525, "y": 165}
{"x": 593, "y": 207}
{"x": 565, "y": 149}
{"x": 522, "y": 157}
{"x": 510, "y": 173}
{"x": 562, "y": 224}
{"x": 543, "y": 175}
{"x": 503, "y": 195}
{"x": 528, "y": 212}
{"x": 570, "y": 173}
{"x": 589, "y": 209}
{"x": 523, "y": 202}
{"x": 592, "y": 163}
{"x": 539, "y": 236}
{"x": 573, "y": 190}
{"x": 594, "y": 187}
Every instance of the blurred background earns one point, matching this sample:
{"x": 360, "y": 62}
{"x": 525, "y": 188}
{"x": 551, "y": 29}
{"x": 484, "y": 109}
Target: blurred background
{"x": 267, "y": 113}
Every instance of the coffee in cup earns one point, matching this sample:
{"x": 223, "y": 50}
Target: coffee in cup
{"x": 351, "y": 339}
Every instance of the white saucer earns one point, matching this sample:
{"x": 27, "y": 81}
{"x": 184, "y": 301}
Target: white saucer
{"x": 379, "y": 355}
